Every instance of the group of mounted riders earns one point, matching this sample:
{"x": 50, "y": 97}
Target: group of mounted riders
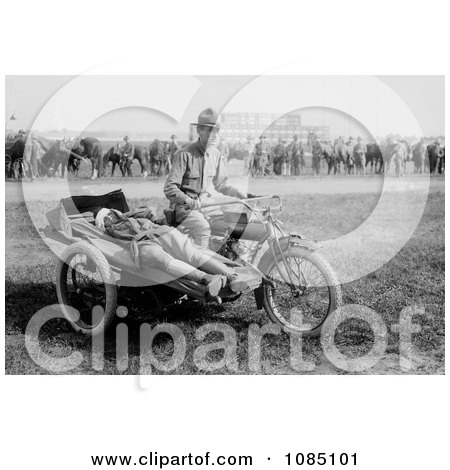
{"x": 31, "y": 156}
{"x": 346, "y": 157}
{"x": 28, "y": 155}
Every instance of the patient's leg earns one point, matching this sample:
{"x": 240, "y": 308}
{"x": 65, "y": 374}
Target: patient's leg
{"x": 153, "y": 255}
{"x": 182, "y": 248}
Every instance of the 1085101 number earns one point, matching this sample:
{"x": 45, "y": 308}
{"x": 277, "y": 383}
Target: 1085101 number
{"x": 321, "y": 458}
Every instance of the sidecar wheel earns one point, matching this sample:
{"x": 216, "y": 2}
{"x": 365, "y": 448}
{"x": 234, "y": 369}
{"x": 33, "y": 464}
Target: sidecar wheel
{"x": 86, "y": 289}
{"x": 314, "y": 295}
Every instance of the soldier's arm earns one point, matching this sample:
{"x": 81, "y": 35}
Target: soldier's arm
{"x": 172, "y": 187}
{"x": 220, "y": 182}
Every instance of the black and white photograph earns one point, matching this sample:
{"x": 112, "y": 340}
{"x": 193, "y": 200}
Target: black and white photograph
{"x": 224, "y": 235}
{"x": 248, "y": 237}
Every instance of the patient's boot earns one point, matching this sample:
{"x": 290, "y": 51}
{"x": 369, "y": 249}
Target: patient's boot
{"x": 237, "y": 284}
{"x": 214, "y": 283}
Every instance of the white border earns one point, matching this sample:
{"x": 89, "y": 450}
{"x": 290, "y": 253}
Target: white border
{"x": 392, "y": 422}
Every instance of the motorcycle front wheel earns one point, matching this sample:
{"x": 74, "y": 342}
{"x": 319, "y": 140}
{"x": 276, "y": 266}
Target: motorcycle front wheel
{"x": 306, "y": 290}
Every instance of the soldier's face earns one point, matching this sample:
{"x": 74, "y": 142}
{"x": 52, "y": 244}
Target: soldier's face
{"x": 209, "y": 136}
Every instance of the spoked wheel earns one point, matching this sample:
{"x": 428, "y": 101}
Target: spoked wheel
{"x": 86, "y": 289}
{"x": 304, "y": 293}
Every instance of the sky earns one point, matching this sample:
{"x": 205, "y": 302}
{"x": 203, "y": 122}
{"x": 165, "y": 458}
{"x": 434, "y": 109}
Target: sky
{"x": 27, "y": 95}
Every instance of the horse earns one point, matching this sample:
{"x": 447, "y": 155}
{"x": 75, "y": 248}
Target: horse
{"x": 16, "y": 155}
{"x": 57, "y": 155}
{"x": 329, "y": 156}
{"x": 280, "y": 159}
{"x": 360, "y": 161}
{"x": 295, "y": 162}
{"x": 419, "y": 155}
{"x": 237, "y": 151}
{"x": 400, "y": 151}
{"x": 341, "y": 152}
{"x": 435, "y": 157}
{"x": 140, "y": 154}
{"x": 400, "y": 156}
{"x": 89, "y": 147}
{"x": 317, "y": 153}
{"x": 32, "y": 156}
{"x": 374, "y": 157}
{"x": 322, "y": 150}
{"x": 387, "y": 151}
{"x": 114, "y": 155}
{"x": 260, "y": 164}
{"x": 441, "y": 166}
{"x": 159, "y": 162}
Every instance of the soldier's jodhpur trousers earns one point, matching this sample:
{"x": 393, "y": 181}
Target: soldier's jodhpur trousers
{"x": 194, "y": 223}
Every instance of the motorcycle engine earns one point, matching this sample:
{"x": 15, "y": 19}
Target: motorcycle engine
{"x": 226, "y": 248}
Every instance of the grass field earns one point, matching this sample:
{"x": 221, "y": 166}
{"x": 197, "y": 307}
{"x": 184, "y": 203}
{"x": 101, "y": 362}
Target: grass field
{"x": 414, "y": 277}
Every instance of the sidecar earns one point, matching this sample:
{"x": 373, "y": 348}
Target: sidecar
{"x": 97, "y": 277}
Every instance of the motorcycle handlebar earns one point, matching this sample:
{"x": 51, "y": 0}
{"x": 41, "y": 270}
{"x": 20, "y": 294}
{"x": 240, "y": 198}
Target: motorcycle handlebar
{"x": 244, "y": 202}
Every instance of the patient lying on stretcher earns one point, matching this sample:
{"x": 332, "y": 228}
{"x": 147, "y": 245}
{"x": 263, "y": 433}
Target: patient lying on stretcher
{"x": 165, "y": 248}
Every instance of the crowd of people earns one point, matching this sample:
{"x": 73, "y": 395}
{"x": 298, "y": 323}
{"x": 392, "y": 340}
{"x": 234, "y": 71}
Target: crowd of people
{"x": 346, "y": 156}
{"x": 29, "y": 155}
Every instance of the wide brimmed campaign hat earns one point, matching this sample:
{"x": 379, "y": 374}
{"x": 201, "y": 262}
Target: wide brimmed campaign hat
{"x": 208, "y": 117}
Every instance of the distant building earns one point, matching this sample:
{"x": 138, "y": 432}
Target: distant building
{"x": 237, "y": 126}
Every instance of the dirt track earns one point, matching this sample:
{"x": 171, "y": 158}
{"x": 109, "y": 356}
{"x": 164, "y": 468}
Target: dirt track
{"x": 53, "y": 190}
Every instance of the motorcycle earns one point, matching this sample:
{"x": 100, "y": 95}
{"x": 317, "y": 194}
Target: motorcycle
{"x": 289, "y": 278}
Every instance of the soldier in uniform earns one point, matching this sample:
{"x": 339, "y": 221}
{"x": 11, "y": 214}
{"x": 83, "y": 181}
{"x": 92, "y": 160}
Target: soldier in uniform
{"x": 441, "y": 156}
{"x": 350, "y": 156}
{"x": 198, "y": 168}
{"x": 262, "y": 154}
{"x": 359, "y": 151}
{"x": 127, "y": 155}
{"x": 280, "y": 157}
{"x": 224, "y": 149}
{"x": 297, "y": 156}
{"x": 436, "y": 157}
{"x": 249, "y": 149}
{"x": 17, "y": 151}
{"x": 172, "y": 148}
{"x": 351, "y": 143}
